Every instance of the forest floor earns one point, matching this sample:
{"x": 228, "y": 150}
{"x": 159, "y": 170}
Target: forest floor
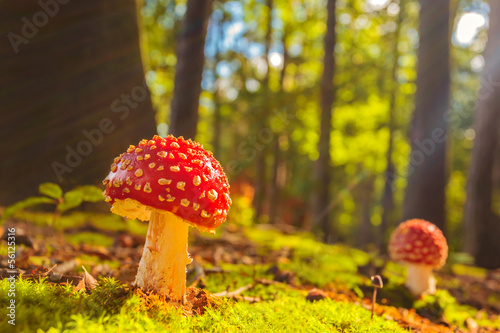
{"x": 244, "y": 279}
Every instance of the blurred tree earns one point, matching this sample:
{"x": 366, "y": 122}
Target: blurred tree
{"x": 189, "y": 68}
{"x": 262, "y": 122}
{"x": 73, "y": 92}
{"x": 482, "y": 231}
{"x": 279, "y": 166}
{"x": 217, "y": 122}
{"x": 323, "y": 164}
{"x": 425, "y": 191}
{"x": 390, "y": 171}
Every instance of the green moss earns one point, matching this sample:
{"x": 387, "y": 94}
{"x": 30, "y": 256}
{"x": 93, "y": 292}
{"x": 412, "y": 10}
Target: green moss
{"x": 90, "y": 238}
{"x": 469, "y": 270}
{"x": 313, "y": 262}
{"x": 112, "y": 308}
{"x": 89, "y": 261}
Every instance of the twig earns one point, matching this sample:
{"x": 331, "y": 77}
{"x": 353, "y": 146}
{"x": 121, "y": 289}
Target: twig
{"x": 230, "y": 294}
{"x": 50, "y": 270}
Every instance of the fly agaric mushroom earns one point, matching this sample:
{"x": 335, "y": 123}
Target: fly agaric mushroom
{"x": 422, "y": 247}
{"x": 173, "y": 183}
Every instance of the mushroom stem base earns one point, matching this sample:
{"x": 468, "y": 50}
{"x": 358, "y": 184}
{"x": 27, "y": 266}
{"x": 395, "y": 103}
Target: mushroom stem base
{"x": 162, "y": 268}
{"x": 420, "y": 280}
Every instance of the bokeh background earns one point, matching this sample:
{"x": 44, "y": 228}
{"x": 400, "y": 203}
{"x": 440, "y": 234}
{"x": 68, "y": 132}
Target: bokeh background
{"x": 338, "y": 117}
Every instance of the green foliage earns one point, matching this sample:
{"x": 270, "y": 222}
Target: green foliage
{"x": 54, "y": 195}
{"x": 29, "y": 202}
{"x": 51, "y": 190}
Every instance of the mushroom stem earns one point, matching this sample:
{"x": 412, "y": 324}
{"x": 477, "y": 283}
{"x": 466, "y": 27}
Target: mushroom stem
{"x": 162, "y": 268}
{"x": 420, "y": 279}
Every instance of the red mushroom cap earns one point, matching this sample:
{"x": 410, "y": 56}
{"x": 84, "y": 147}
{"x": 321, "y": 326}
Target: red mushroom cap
{"x": 418, "y": 242}
{"x": 170, "y": 174}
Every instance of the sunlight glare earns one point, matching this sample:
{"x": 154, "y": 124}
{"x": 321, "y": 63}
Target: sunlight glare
{"x": 468, "y": 27}
{"x": 378, "y": 4}
{"x": 275, "y": 59}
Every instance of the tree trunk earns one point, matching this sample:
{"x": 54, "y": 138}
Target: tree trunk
{"x": 482, "y": 225}
{"x": 425, "y": 192}
{"x": 262, "y": 122}
{"x": 390, "y": 171}
{"x": 189, "y": 69}
{"x": 279, "y": 164}
{"x": 364, "y": 236}
{"x": 73, "y": 93}
{"x": 323, "y": 164}
{"x": 216, "y": 139}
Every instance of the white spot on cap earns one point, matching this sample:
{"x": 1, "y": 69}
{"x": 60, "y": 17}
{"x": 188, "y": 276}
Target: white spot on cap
{"x": 164, "y": 181}
{"x": 181, "y": 185}
{"x": 138, "y": 172}
{"x": 196, "y": 180}
{"x": 162, "y": 153}
{"x": 170, "y": 198}
{"x": 152, "y": 165}
{"x": 147, "y": 188}
{"x": 196, "y": 206}
{"x": 174, "y": 145}
{"x": 175, "y": 168}
{"x": 205, "y": 214}
{"x": 185, "y": 202}
{"x": 183, "y": 156}
{"x": 212, "y": 195}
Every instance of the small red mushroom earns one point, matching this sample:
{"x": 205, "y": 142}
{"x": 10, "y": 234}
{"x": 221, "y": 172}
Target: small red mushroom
{"x": 173, "y": 183}
{"x": 422, "y": 247}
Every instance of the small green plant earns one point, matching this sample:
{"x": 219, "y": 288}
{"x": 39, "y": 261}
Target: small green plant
{"x": 53, "y": 194}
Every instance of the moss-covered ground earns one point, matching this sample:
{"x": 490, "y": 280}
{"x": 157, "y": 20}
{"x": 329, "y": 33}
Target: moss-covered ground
{"x": 244, "y": 279}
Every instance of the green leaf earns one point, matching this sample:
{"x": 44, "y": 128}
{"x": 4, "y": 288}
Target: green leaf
{"x": 51, "y": 190}
{"x": 90, "y": 193}
{"x": 71, "y": 199}
{"x": 28, "y": 202}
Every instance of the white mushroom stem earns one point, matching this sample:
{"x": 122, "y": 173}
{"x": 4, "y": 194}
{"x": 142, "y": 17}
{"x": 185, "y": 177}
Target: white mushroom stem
{"x": 162, "y": 268}
{"x": 420, "y": 279}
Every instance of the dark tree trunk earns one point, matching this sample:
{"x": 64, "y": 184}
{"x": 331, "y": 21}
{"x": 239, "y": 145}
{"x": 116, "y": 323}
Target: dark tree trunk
{"x": 390, "y": 171}
{"x": 481, "y": 223}
{"x": 261, "y": 123}
{"x": 323, "y": 164}
{"x": 189, "y": 69}
{"x": 425, "y": 192}
{"x": 73, "y": 93}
